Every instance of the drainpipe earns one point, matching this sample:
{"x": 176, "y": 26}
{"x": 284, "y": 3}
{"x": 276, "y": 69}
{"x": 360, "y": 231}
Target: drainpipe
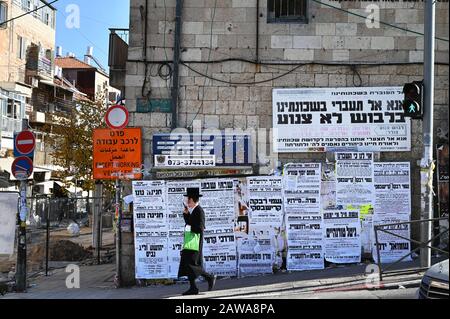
{"x": 176, "y": 63}
{"x": 257, "y": 31}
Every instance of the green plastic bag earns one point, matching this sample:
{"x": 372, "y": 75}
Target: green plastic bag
{"x": 191, "y": 241}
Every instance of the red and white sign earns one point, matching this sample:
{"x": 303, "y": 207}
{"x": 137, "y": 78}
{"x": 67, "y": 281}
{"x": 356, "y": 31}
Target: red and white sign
{"x": 117, "y": 117}
{"x": 22, "y": 168}
{"x": 25, "y": 142}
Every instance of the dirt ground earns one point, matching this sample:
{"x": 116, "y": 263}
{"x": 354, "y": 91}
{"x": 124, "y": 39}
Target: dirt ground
{"x": 63, "y": 247}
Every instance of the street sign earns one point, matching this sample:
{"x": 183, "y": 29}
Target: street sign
{"x": 22, "y": 168}
{"x": 24, "y": 144}
{"x": 117, "y": 153}
{"x": 117, "y": 117}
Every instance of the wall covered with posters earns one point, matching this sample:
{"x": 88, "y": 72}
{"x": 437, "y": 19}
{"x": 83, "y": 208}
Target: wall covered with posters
{"x": 302, "y": 220}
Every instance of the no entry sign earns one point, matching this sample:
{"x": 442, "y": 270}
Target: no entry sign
{"x": 22, "y": 167}
{"x": 117, "y": 117}
{"x": 24, "y": 143}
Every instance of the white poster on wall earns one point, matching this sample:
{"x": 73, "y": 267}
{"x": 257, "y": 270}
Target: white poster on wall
{"x": 354, "y": 179}
{"x": 219, "y": 252}
{"x": 149, "y": 205}
{"x": 342, "y": 236}
{"x": 391, "y": 247}
{"x": 175, "y": 199}
{"x": 175, "y": 244}
{"x": 266, "y": 205}
{"x": 255, "y": 256}
{"x": 242, "y": 218}
{"x": 305, "y": 257}
{"x": 218, "y": 203}
{"x": 392, "y": 189}
{"x": 219, "y": 246}
{"x": 8, "y": 220}
{"x": 360, "y": 119}
{"x": 305, "y": 242}
{"x": 302, "y": 188}
{"x": 328, "y": 186}
{"x": 151, "y": 255}
{"x": 150, "y": 225}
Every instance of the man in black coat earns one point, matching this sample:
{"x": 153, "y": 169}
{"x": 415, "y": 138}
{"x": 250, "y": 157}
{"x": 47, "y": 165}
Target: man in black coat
{"x": 191, "y": 263}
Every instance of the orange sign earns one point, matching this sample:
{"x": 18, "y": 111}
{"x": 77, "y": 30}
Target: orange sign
{"x": 117, "y": 153}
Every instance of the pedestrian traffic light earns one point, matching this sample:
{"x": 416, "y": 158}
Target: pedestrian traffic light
{"x": 413, "y": 100}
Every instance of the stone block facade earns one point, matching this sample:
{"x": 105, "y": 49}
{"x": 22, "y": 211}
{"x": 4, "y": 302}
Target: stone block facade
{"x": 334, "y": 49}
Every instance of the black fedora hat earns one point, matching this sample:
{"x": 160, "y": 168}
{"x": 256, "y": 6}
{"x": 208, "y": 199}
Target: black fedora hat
{"x": 193, "y": 192}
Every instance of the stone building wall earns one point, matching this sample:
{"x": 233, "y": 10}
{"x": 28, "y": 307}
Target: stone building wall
{"x": 334, "y": 49}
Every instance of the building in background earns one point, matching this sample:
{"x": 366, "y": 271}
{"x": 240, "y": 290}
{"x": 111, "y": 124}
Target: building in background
{"x": 27, "y": 47}
{"x": 117, "y": 58}
{"x": 88, "y": 79}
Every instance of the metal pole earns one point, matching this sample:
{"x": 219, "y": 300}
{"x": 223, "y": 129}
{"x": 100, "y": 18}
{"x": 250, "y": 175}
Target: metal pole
{"x": 378, "y": 253}
{"x": 118, "y": 232}
{"x": 427, "y": 160}
{"x": 21, "y": 266}
{"x": 176, "y": 63}
{"x": 47, "y": 245}
{"x": 99, "y": 229}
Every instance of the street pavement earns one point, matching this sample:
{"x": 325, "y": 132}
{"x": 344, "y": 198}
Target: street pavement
{"x": 350, "y": 281}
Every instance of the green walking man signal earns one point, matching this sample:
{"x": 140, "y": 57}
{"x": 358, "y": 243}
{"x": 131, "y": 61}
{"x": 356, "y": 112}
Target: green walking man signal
{"x": 413, "y": 100}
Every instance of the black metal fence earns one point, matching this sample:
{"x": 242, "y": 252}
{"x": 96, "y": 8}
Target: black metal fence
{"x": 62, "y": 230}
{"x": 420, "y": 245}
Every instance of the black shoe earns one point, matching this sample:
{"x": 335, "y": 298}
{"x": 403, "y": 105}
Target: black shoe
{"x": 190, "y": 292}
{"x": 212, "y": 282}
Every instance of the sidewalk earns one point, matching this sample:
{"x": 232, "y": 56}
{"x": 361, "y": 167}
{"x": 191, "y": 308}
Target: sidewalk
{"x": 97, "y": 282}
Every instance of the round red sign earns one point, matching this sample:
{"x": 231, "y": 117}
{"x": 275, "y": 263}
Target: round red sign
{"x": 117, "y": 117}
{"x": 22, "y": 168}
{"x": 25, "y": 142}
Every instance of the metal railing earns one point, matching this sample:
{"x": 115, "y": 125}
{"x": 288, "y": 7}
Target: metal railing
{"x": 420, "y": 244}
{"x": 10, "y": 125}
{"x": 50, "y": 216}
{"x": 121, "y": 33}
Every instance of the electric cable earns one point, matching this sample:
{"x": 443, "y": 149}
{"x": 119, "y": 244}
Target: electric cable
{"x": 381, "y": 22}
{"x": 28, "y": 12}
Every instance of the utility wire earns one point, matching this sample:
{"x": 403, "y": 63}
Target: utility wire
{"x": 28, "y": 12}
{"x": 242, "y": 83}
{"x": 385, "y": 23}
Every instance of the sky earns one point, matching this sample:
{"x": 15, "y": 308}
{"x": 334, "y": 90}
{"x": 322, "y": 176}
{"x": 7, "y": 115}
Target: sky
{"x": 96, "y": 17}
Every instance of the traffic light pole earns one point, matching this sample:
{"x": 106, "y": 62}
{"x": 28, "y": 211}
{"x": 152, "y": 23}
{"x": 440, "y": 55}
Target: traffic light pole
{"x": 21, "y": 266}
{"x": 427, "y": 160}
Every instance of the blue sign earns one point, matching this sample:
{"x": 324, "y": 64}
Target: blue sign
{"x": 22, "y": 168}
{"x": 24, "y": 143}
{"x": 202, "y": 150}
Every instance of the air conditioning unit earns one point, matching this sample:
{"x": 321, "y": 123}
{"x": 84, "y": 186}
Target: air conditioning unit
{"x": 34, "y": 82}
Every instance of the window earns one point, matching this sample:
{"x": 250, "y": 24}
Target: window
{"x": 3, "y": 14}
{"x": 21, "y": 47}
{"x": 287, "y": 11}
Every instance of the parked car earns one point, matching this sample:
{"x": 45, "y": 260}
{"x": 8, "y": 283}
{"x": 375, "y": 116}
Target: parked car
{"x": 434, "y": 283}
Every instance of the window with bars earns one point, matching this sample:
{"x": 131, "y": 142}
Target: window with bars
{"x": 287, "y": 11}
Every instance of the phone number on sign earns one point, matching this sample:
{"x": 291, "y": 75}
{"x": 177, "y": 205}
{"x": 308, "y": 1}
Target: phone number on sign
{"x": 190, "y": 163}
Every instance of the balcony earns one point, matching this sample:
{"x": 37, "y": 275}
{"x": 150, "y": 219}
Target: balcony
{"x": 38, "y": 64}
{"x": 118, "y": 55}
{"x": 10, "y": 125}
{"x": 57, "y": 105}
